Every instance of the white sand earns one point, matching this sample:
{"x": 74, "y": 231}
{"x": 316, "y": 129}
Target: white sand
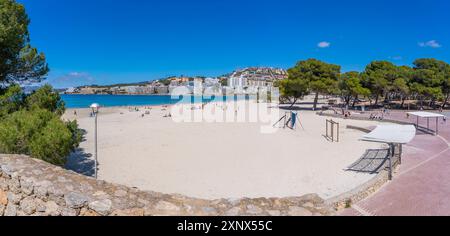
{"x": 222, "y": 160}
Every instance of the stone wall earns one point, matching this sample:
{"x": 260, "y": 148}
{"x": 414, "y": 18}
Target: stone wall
{"x": 30, "y": 187}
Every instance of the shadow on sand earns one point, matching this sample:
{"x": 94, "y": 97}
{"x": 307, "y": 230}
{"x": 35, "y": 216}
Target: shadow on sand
{"x": 81, "y": 162}
{"x": 372, "y": 162}
{"x": 296, "y": 107}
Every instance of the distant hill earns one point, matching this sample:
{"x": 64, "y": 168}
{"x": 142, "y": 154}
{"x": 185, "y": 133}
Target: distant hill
{"x": 116, "y": 85}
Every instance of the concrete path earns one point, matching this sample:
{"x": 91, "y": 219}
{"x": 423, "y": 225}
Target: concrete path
{"x": 421, "y": 186}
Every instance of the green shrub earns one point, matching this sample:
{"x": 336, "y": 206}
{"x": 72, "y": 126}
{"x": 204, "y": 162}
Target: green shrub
{"x": 40, "y": 134}
{"x": 46, "y": 98}
{"x": 32, "y": 125}
{"x": 77, "y": 134}
{"x": 18, "y": 128}
{"x": 11, "y": 100}
{"x": 53, "y": 143}
{"x": 9, "y": 138}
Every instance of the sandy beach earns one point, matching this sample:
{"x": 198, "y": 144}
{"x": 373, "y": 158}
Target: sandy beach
{"x": 219, "y": 160}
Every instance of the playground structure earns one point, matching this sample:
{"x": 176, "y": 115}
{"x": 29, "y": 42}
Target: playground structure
{"x": 290, "y": 120}
{"x": 331, "y": 127}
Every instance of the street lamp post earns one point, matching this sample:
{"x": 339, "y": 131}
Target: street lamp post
{"x": 95, "y": 109}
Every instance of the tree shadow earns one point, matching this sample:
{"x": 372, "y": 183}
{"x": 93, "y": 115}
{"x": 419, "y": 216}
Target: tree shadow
{"x": 295, "y": 108}
{"x": 81, "y": 162}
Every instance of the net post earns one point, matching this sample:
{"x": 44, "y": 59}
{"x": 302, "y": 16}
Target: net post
{"x": 338, "y": 132}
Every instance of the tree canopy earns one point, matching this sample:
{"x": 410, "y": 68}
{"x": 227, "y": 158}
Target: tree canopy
{"x": 350, "y": 87}
{"x": 294, "y": 88}
{"x": 19, "y": 61}
{"x": 378, "y": 76}
{"x": 311, "y": 76}
{"x": 46, "y": 98}
{"x": 428, "y": 80}
{"x": 431, "y": 80}
{"x": 29, "y": 124}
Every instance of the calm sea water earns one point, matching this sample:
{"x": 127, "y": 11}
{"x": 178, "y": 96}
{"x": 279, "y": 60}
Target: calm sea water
{"x": 84, "y": 101}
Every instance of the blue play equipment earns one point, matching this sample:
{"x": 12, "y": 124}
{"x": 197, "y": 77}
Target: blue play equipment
{"x": 293, "y": 119}
{"x": 291, "y": 122}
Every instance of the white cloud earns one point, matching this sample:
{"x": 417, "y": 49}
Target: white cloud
{"x": 396, "y": 58}
{"x": 76, "y": 74}
{"x": 324, "y": 44}
{"x": 72, "y": 79}
{"x": 430, "y": 44}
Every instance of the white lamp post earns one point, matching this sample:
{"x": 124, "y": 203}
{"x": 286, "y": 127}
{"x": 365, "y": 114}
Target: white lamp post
{"x": 95, "y": 110}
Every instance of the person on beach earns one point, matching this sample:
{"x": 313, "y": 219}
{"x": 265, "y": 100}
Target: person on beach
{"x": 347, "y": 114}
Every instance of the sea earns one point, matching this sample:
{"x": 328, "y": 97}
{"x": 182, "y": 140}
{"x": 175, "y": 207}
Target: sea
{"x": 85, "y": 101}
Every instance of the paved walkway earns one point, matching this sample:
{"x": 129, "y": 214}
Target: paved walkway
{"x": 421, "y": 186}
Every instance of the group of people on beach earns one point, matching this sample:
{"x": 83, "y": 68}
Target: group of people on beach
{"x": 149, "y": 109}
{"x": 376, "y": 116}
{"x": 133, "y": 109}
{"x": 380, "y": 115}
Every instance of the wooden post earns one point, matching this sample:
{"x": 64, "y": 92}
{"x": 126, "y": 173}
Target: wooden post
{"x": 338, "y": 133}
{"x": 332, "y": 131}
{"x": 437, "y": 126}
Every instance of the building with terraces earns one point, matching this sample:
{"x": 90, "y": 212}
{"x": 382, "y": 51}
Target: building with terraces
{"x": 256, "y": 77}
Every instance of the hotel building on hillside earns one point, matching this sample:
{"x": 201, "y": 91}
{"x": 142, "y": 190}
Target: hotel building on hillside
{"x": 256, "y": 77}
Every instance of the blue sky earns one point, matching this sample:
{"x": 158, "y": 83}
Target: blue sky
{"x": 112, "y": 41}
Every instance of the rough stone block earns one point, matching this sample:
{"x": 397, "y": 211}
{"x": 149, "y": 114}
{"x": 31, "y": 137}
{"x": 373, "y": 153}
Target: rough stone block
{"x": 233, "y": 211}
{"x": 11, "y": 210}
{"x": 52, "y": 209}
{"x": 41, "y": 189}
{"x": 3, "y": 184}
{"x": 14, "y": 198}
{"x": 76, "y": 200}
{"x": 69, "y": 212}
{"x": 27, "y": 186}
{"x": 7, "y": 169}
{"x": 129, "y": 212}
{"x": 254, "y": 210}
{"x": 103, "y": 207}
{"x": 28, "y": 206}
{"x": 88, "y": 213}
{"x": 3, "y": 198}
{"x": 299, "y": 211}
